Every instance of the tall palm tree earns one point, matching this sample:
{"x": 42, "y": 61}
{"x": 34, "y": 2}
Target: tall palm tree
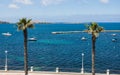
{"x": 94, "y": 29}
{"x": 23, "y": 24}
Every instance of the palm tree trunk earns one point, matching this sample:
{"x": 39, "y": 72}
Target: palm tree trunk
{"x": 93, "y": 53}
{"x": 25, "y": 52}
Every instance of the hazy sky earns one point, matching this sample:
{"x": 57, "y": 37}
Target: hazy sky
{"x": 60, "y": 10}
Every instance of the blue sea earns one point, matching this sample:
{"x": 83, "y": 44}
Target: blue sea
{"x": 61, "y": 50}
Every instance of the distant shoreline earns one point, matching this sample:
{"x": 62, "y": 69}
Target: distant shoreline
{"x": 3, "y": 22}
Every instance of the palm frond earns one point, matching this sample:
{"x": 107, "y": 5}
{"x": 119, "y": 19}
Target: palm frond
{"x": 94, "y": 28}
{"x": 24, "y": 23}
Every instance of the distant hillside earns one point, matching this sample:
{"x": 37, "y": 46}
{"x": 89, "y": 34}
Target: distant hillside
{"x": 39, "y": 22}
{"x": 3, "y": 22}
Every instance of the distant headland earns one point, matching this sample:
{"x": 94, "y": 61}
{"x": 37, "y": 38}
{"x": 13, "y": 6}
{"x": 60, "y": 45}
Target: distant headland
{"x": 4, "y": 22}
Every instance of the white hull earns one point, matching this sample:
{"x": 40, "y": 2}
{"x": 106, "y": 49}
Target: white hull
{"x": 6, "y": 34}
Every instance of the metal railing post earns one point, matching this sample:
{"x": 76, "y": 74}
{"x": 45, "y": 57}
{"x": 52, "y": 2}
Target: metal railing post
{"x": 31, "y": 68}
{"x": 57, "y": 69}
{"x": 6, "y": 61}
{"x": 6, "y": 68}
{"x": 108, "y": 72}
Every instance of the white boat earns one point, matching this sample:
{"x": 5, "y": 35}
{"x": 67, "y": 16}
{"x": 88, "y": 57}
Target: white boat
{"x": 114, "y": 40}
{"x": 7, "y": 34}
{"x": 83, "y": 38}
{"x": 32, "y": 39}
{"x": 113, "y": 34}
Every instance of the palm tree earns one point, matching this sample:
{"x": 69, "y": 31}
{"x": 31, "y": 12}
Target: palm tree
{"x": 23, "y": 24}
{"x": 94, "y": 29}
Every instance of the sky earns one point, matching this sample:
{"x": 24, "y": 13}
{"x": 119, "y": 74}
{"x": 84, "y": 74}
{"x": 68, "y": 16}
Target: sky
{"x": 61, "y": 10}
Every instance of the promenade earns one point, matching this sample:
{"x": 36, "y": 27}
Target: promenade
{"x": 46, "y": 73}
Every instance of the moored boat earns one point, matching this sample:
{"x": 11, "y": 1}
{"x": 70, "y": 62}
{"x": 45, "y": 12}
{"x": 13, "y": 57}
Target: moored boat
{"x": 83, "y": 38}
{"x": 7, "y": 34}
{"x": 32, "y": 39}
{"x": 114, "y": 40}
{"x": 114, "y": 34}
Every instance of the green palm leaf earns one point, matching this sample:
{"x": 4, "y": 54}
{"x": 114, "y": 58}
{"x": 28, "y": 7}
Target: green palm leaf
{"x": 24, "y": 23}
{"x": 94, "y": 28}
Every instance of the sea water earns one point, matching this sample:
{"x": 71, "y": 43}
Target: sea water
{"x": 61, "y": 50}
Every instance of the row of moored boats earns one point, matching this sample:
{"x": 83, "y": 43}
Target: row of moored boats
{"x": 9, "y": 34}
{"x": 34, "y": 39}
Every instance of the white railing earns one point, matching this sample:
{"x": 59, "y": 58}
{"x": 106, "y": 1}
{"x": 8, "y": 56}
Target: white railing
{"x": 58, "y": 70}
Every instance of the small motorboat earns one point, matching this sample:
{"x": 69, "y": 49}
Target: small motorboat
{"x": 113, "y": 34}
{"x": 32, "y": 39}
{"x": 83, "y": 38}
{"x": 114, "y": 40}
{"x": 7, "y": 34}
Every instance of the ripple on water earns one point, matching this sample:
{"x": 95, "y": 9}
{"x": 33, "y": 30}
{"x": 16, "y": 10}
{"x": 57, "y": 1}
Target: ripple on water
{"x": 54, "y": 41}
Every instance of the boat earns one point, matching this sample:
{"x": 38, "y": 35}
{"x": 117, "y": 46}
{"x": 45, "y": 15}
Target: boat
{"x": 32, "y": 39}
{"x": 113, "y": 34}
{"x": 7, "y": 34}
{"x": 83, "y": 38}
{"x": 114, "y": 40}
